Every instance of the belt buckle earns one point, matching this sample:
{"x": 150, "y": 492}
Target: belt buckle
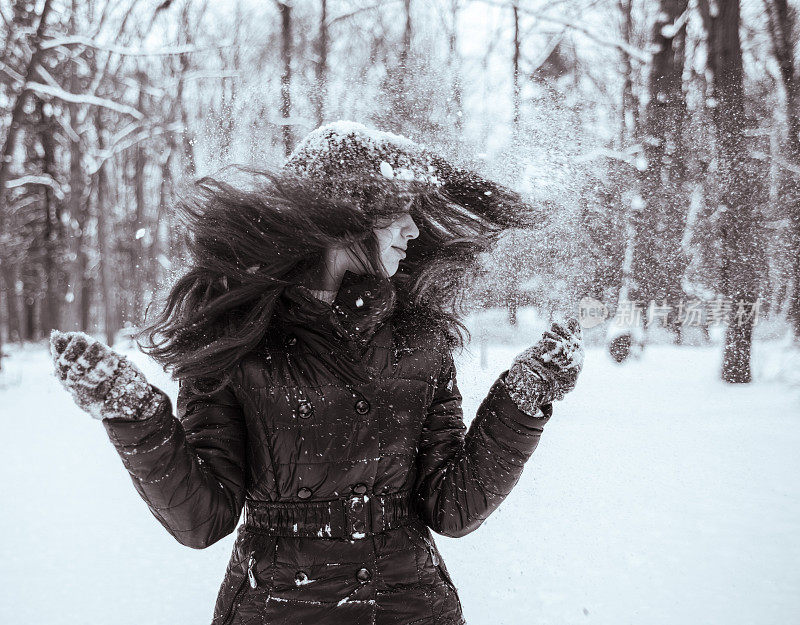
{"x": 356, "y": 511}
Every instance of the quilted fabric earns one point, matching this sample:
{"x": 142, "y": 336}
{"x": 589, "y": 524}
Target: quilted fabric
{"x": 342, "y": 471}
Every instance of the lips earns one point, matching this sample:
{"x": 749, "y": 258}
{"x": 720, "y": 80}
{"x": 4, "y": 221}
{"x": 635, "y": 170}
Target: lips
{"x": 401, "y": 250}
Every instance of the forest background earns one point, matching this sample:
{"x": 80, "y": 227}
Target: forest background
{"x": 659, "y": 139}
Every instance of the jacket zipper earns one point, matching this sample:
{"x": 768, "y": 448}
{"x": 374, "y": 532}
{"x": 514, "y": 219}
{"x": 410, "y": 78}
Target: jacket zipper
{"x": 432, "y": 551}
{"x": 438, "y": 564}
{"x": 251, "y": 578}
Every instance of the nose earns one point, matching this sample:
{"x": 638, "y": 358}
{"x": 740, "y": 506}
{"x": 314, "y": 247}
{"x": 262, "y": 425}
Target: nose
{"x": 409, "y": 229}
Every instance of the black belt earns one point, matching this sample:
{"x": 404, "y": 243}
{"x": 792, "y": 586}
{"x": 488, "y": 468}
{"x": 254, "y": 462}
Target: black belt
{"x": 354, "y": 517}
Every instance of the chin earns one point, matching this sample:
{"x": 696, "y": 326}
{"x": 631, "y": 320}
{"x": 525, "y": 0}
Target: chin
{"x": 391, "y": 269}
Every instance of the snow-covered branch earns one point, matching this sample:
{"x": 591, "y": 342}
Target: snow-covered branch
{"x": 547, "y": 51}
{"x": 47, "y": 77}
{"x": 632, "y": 156}
{"x": 634, "y": 53}
{"x": 83, "y": 98}
{"x": 43, "y": 180}
{"x": 11, "y": 73}
{"x": 353, "y": 13}
{"x": 668, "y": 31}
{"x": 788, "y": 166}
{"x": 121, "y": 146}
{"x": 6, "y": 23}
{"x": 78, "y": 40}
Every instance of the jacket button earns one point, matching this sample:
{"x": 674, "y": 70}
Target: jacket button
{"x": 300, "y": 578}
{"x": 362, "y": 406}
{"x": 305, "y": 409}
{"x": 304, "y": 493}
{"x": 360, "y": 489}
{"x": 357, "y": 505}
{"x": 363, "y": 575}
{"x": 292, "y": 340}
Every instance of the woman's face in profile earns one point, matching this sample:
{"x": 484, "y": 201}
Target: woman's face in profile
{"x": 393, "y": 239}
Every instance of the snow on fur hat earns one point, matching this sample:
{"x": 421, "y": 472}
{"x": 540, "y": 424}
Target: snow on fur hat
{"x": 348, "y": 158}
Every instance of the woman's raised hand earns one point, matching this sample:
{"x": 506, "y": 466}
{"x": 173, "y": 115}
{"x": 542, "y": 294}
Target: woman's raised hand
{"x": 549, "y": 369}
{"x": 102, "y": 382}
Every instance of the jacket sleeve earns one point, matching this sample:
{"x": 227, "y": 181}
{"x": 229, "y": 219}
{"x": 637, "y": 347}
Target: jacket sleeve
{"x": 190, "y": 470}
{"x": 462, "y": 477}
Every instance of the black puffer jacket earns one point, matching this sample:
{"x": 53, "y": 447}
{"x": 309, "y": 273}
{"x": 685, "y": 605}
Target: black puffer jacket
{"x": 339, "y": 482}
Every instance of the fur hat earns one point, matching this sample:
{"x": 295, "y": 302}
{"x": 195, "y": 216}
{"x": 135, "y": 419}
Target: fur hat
{"x": 349, "y": 159}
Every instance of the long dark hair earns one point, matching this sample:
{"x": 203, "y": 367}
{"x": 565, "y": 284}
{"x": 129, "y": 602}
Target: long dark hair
{"x": 248, "y": 242}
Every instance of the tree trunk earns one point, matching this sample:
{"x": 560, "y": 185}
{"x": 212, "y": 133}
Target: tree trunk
{"x": 320, "y": 94}
{"x": 408, "y": 31}
{"x": 737, "y": 182}
{"x": 164, "y": 199}
{"x": 782, "y": 25}
{"x": 455, "y": 66}
{"x": 103, "y": 234}
{"x": 140, "y": 265}
{"x": 629, "y": 114}
{"x": 659, "y": 261}
{"x": 286, "y": 77}
{"x": 9, "y": 146}
{"x": 190, "y": 160}
{"x": 18, "y": 111}
{"x": 77, "y": 208}
{"x": 50, "y": 316}
{"x": 625, "y": 181}
{"x": 515, "y": 95}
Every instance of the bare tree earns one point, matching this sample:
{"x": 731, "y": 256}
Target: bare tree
{"x": 12, "y": 133}
{"x": 516, "y": 101}
{"x": 321, "y": 66}
{"x": 104, "y": 236}
{"x": 285, "y": 9}
{"x": 658, "y": 261}
{"x": 737, "y": 184}
{"x": 76, "y": 204}
{"x": 189, "y": 158}
{"x": 782, "y": 28}
{"x": 405, "y": 51}
{"x": 18, "y": 110}
{"x": 51, "y": 222}
{"x": 512, "y": 300}
{"x": 455, "y": 66}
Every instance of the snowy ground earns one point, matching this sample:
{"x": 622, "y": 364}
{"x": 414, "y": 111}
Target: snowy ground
{"x": 657, "y": 495}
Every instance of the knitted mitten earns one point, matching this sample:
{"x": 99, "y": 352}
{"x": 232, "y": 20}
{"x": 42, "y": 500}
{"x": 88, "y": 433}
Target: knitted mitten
{"x": 102, "y": 382}
{"x": 548, "y": 370}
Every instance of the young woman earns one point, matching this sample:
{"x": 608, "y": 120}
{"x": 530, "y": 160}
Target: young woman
{"x": 312, "y": 338}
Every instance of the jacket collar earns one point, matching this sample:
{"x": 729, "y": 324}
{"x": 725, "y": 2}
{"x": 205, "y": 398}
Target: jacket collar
{"x": 362, "y": 303}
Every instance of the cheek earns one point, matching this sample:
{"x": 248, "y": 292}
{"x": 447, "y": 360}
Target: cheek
{"x": 385, "y": 238}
